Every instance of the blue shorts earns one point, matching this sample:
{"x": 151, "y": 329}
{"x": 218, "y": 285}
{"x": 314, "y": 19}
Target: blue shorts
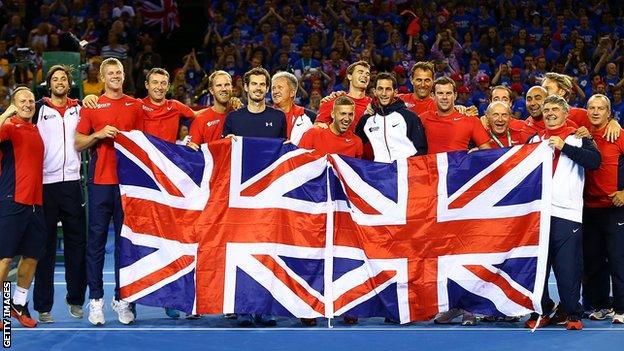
{"x": 22, "y": 230}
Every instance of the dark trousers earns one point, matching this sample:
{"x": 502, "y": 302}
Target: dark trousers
{"x": 603, "y": 253}
{"x": 62, "y": 201}
{"x": 565, "y": 257}
{"x": 104, "y": 204}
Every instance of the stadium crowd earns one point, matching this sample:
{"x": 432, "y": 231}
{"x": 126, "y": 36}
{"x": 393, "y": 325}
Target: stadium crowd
{"x": 330, "y": 76}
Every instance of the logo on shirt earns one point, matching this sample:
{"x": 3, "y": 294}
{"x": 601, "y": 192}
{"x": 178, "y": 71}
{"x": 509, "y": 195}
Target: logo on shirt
{"x": 128, "y": 103}
{"x": 106, "y": 105}
{"x": 456, "y": 119}
{"x": 47, "y": 117}
{"x": 268, "y": 124}
{"x": 212, "y": 123}
{"x": 298, "y": 124}
{"x": 169, "y": 108}
{"x": 147, "y": 108}
{"x": 394, "y": 125}
{"x": 373, "y": 129}
{"x": 348, "y": 140}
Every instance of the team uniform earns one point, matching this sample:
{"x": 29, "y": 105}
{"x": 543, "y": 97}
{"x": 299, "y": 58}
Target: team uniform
{"x": 512, "y": 137}
{"x": 393, "y": 132}
{"x": 418, "y": 106}
{"x": 270, "y": 123}
{"x": 162, "y": 121}
{"x": 533, "y": 127}
{"x": 324, "y": 113}
{"x": 325, "y": 141}
{"x": 603, "y": 230}
{"x": 579, "y": 117}
{"x": 298, "y": 121}
{"x": 125, "y": 113}
{"x": 21, "y": 179}
{"x": 565, "y": 250}
{"x": 453, "y": 132}
{"x": 62, "y": 200}
{"x": 207, "y": 126}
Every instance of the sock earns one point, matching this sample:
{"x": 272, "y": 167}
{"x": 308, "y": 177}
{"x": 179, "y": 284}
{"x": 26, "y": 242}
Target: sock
{"x": 20, "y": 295}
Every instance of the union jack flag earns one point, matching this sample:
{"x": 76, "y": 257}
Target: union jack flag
{"x": 160, "y": 12}
{"x": 254, "y": 226}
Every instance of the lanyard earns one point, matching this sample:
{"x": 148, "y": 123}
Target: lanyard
{"x": 499, "y": 142}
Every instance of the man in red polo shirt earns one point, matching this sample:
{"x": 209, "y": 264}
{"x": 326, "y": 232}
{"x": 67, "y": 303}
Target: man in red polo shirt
{"x": 448, "y": 130}
{"x": 338, "y": 138}
{"x": 420, "y": 101}
{"x": 161, "y": 116}
{"x": 96, "y": 130}
{"x": 603, "y": 216}
{"x": 208, "y": 125}
{"x": 358, "y": 74}
{"x": 499, "y": 116}
{"x": 21, "y": 196}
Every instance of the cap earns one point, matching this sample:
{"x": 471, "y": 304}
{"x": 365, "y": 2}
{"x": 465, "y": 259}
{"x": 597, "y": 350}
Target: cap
{"x": 456, "y": 77}
{"x": 463, "y": 90}
{"x": 517, "y": 87}
{"x": 484, "y": 78}
{"x": 516, "y": 71}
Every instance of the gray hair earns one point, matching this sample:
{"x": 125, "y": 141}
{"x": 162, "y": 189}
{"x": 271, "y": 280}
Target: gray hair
{"x": 290, "y": 78}
{"x": 558, "y": 100}
{"x": 600, "y": 96}
{"x": 494, "y": 104}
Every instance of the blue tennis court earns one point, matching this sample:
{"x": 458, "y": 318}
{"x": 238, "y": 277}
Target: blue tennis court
{"x": 153, "y": 330}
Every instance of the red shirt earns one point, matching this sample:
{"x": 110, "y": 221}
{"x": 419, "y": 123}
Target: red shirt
{"x": 605, "y": 180}
{"x": 207, "y": 126}
{"x": 163, "y": 121}
{"x": 324, "y": 113}
{"x": 452, "y": 132}
{"x": 291, "y": 116}
{"x": 418, "y": 106}
{"x": 579, "y": 117}
{"x": 21, "y": 162}
{"x": 514, "y": 137}
{"x": 326, "y": 142}
{"x": 532, "y": 127}
{"x": 125, "y": 114}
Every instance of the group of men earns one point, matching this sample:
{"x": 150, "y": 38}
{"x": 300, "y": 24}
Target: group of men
{"x": 40, "y": 143}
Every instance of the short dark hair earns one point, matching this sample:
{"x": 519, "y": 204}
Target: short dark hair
{"x": 502, "y": 87}
{"x": 67, "y": 69}
{"x": 352, "y": 66}
{"x": 387, "y": 76}
{"x": 156, "y": 70}
{"x": 423, "y": 66}
{"x": 444, "y": 80}
{"x": 343, "y": 101}
{"x": 258, "y": 71}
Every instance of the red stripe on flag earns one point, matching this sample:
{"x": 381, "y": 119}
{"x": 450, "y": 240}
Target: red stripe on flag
{"x": 139, "y": 153}
{"x": 279, "y": 171}
{"x": 284, "y": 277}
{"x": 496, "y": 279}
{"x": 363, "y": 289}
{"x": 156, "y": 277}
{"x": 353, "y": 197}
{"x": 487, "y": 181}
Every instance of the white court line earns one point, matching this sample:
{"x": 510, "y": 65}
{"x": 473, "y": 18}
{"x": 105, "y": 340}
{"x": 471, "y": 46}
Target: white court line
{"x": 406, "y": 329}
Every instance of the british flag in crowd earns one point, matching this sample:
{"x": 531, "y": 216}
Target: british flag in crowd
{"x": 259, "y": 227}
{"x": 163, "y": 13}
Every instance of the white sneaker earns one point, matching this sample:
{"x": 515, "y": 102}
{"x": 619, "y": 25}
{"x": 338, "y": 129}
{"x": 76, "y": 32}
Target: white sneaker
{"x": 96, "y": 312}
{"x": 123, "y": 310}
{"x": 618, "y": 318}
